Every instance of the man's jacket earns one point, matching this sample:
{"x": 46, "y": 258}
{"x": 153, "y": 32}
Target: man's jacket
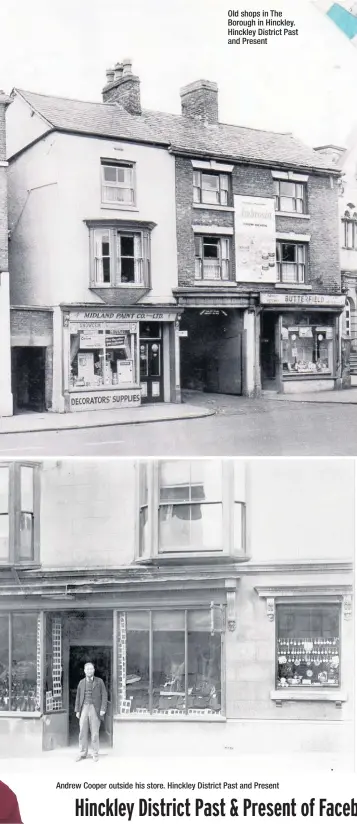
{"x": 9, "y": 808}
{"x": 99, "y": 696}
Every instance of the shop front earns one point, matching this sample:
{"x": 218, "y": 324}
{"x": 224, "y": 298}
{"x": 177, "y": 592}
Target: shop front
{"x": 114, "y": 359}
{"x": 300, "y": 342}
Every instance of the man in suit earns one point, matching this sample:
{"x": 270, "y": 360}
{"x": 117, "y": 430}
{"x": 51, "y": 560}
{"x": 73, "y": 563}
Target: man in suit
{"x": 90, "y": 708}
{"x": 9, "y": 808}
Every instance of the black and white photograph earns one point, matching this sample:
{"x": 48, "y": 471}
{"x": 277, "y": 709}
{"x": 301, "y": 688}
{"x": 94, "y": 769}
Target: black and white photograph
{"x": 178, "y": 410}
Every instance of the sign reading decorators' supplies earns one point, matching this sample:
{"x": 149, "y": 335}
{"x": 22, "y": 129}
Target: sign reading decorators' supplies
{"x": 255, "y": 239}
{"x": 117, "y": 399}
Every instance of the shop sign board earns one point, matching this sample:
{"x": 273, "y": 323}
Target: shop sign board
{"x": 91, "y": 340}
{"x": 255, "y": 239}
{"x": 127, "y": 314}
{"x": 117, "y": 399}
{"x": 183, "y": 333}
{"x": 93, "y": 327}
{"x": 114, "y": 341}
{"x": 283, "y": 299}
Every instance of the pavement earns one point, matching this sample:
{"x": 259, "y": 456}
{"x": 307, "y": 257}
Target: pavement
{"x": 54, "y": 421}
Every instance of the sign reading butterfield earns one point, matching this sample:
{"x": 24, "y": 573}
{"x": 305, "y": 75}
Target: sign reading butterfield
{"x": 286, "y": 299}
{"x": 255, "y": 239}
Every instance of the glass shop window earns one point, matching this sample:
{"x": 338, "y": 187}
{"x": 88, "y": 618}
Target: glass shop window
{"x": 4, "y": 513}
{"x": 102, "y": 358}
{"x": 172, "y": 664}
{"x": 308, "y": 646}
{"x": 144, "y": 537}
{"x": 19, "y": 687}
{"x": 190, "y": 505}
{"x": 26, "y": 548}
{"x": 307, "y": 350}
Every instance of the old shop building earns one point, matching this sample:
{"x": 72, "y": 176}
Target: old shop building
{"x": 93, "y": 252}
{"x": 5, "y": 359}
{"x": 258, "y": 257}
{"x": 177, "y": 580}
{"x": 125, "y": 222}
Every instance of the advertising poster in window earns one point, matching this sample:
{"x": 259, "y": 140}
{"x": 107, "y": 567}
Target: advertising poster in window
{"x": 255, "y": 239}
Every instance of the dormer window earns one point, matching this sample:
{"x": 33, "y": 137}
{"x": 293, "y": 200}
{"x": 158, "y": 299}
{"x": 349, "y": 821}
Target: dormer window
{"x": 118, "y": 186}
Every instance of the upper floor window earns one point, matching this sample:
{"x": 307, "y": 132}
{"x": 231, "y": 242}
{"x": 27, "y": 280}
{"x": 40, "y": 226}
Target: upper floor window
{"x": 291, "y": 262}
{"x": 290, "y": 196}
{"x": 349, "y": 221}
{"x": 120, "y": 257}
{"x": 118, "y": 186}
{"x": 195, "y": 507}
{"x": 212, "y": 257}
{"x": 211, "y": 188}
{"x": 308, "y": 646}
{"x": 19, "y": 527}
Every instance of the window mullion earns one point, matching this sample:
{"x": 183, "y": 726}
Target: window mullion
{"x": 186, "y": 663}
{"x": 151, "y": 660}
{"x": 10, "y": 661}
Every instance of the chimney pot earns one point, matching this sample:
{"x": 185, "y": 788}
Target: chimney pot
{"x": 124, "y": 88}
{"x": 110, "y": 75}
{"x": 199, "y": 100}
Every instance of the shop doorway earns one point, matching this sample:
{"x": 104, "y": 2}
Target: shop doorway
{"x": 211, "y": 354}
{"x": 28, "y": 371}
{"x": 151, "y": 365}
{"x": 268, "y": 351}
{"x": 101, "y": 657}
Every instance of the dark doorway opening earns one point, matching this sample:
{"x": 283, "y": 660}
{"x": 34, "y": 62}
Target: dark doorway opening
{"x": 28, "y": 371}
{"x": 268, "y": 350}
{"x": 101, "y": 657}
{"x": 211, "y": 354}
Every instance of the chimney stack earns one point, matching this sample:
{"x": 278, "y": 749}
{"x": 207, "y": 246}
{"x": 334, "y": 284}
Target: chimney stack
{"x": 123, "y": 87}
{"x": 199, "y": 101}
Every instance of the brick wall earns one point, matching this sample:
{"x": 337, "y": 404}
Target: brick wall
{"x": 323, "y": 225}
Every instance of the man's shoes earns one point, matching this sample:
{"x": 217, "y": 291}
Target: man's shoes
{"x": 95, "y": 757}
{"x": 80, "y": 757}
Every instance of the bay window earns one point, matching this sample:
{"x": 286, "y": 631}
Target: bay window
{"x": 291, "y": 262}
{"x": 19, "y": 512}
{"x": 170, "y": 663}
{"x": 120, "y": 253}
{"x": 191, "y": 508}
{"x": 308, "y": 646}
{"x": 210, "y": 188}
{"x": 212, "y": 257}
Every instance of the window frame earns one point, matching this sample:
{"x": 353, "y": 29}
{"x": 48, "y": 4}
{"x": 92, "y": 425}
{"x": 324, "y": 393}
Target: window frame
{"x": 349, "y": 222}
{"x": 198, "y": 188}
{"x": 120, "y": 635}
{"x": 312, "y": 605}
{"x": 115, "y": 233}
{"x": 39, "y": 615}
{"x": 278, "y": 196}
{"x": 224, "y": 263}
{"x": 15, "y": 513}
{"x": 117, "y": 164}
{"x": 296, "y": 263}
{"x": 229, "y": 503}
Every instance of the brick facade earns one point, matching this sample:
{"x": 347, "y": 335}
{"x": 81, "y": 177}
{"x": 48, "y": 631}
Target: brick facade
{"x": 323, "y": 272}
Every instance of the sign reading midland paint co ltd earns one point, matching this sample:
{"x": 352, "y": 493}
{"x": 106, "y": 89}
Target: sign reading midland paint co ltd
{"x": 255, "y": 239}
{"x": 286, "y": 299}
{"x": 117, "y": 399}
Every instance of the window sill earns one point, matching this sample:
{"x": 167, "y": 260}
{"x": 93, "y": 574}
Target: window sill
{"x": 208, "y": 282}
{"x": 309, "y": 694}
{"x": 292, "y": 214}
{"x": 119, "y": 208}
{"x": 300, "y": 376}
{"x": 20, "y": 714}
{"x": 293, "y": 286}
{"x": 216, "y": 207}
{"x": 187, "y": 719}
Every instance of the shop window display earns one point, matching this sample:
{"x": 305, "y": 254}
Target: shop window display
{"x": 173, "y": 664}
{"x": 307, "y": 350}
{"x": 4, "y": 513}
{"x": 103, "y": 357}
{"x": 190, "y": 510}
{"x": 308, "y": 646}
{"x": 18, "y": 663}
